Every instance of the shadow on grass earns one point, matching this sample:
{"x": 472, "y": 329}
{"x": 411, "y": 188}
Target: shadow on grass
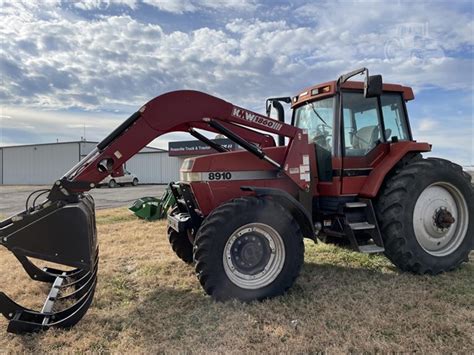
{"x": 323, "y": 293}
{"x": 327, "y": 298}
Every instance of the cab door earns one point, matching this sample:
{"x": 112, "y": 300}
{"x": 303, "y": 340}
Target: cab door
{"x": 363, "y": 140}
{"x": 369, "y": 125}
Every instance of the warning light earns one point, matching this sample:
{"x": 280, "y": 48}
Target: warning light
{"x": 321, "y": 90}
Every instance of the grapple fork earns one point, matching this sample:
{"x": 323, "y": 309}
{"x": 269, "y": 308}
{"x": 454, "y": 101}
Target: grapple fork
{"x": 62, "y": 232}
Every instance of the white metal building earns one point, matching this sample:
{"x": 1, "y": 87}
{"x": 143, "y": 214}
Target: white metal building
{"x": 38, "y": 164}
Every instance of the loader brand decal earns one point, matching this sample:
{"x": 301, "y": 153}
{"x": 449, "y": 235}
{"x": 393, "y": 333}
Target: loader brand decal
{"x": 252, "y": 117}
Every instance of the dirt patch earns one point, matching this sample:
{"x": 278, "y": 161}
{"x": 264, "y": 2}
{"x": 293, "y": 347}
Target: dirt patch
{"x": 147, "y": 300}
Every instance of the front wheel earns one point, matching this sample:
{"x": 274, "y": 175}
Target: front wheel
{"x": 426, "y": 215}
{"x": 112, "y": 184}
{"x": 248, "y": 249}
{"x": 181, "y": 245}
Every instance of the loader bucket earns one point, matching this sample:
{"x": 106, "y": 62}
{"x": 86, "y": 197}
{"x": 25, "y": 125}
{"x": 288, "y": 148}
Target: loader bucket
{"x": 147, "y": 208}
{"x": 152, "y": 208}
{"x": 63, "y": 233}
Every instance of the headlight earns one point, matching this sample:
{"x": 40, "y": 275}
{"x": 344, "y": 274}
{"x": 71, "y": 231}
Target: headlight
{"x": 187, "y": 164}
{"x": 189, "y": 176}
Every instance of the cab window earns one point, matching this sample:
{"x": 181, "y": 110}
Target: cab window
{"x": 317, "y": 119}
{"x": 394, "y": 117}
{"x": 361, "y": 123}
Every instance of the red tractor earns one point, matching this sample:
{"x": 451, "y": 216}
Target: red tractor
{"x": 350, "y": 173}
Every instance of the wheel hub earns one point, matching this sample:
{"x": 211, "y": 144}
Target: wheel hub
{"x": 440, "y": 219}
{"x": 254, "y": 256}
{"x": 250, "y": 253}
{"x": 443, "y": 219}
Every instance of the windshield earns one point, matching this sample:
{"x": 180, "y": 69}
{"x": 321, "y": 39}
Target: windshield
{"x": 317, "y": 118}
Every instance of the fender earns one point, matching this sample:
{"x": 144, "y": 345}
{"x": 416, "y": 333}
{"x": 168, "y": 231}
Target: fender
{"x": 291, "y": 204}
{"x": 397, "y": 152}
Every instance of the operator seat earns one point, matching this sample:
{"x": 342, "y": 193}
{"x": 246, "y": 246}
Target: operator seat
{"x": 365, "y": 138}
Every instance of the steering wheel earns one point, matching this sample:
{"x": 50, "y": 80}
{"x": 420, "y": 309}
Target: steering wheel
{"x": 322, "y": 136}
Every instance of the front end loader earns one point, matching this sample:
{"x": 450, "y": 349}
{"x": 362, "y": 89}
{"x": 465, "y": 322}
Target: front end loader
{"x": 351, "y": 173}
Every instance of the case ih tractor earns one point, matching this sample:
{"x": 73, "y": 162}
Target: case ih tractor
{"x": 350, "y": 173}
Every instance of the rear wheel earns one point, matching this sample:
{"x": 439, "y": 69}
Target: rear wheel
{"x": 112, "y": 184}
{"x": 426, "y": 215}
{"x": 135, "y": 182}
{"x": 248, "y": 249}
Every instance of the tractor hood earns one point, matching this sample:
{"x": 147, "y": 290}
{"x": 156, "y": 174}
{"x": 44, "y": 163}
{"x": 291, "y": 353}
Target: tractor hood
{"x": 236, "y": 165}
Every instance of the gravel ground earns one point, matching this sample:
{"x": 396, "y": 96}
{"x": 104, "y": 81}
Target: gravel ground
{"x": 13, "y": 198}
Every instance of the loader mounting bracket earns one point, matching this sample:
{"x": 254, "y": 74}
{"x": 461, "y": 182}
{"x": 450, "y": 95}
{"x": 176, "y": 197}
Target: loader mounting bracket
{"x": 62, "y": 190}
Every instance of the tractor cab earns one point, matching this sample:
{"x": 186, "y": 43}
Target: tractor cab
{"x": 352, "y": 129}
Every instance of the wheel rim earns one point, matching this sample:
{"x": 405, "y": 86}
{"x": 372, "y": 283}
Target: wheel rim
{"x": 440, "y": 219}
{"x": 254, "y": 256}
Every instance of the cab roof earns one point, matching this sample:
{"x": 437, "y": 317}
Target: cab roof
{"x": 328, "y": 89}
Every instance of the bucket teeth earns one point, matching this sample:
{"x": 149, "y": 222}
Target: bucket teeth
{"x": 76, "y": 286}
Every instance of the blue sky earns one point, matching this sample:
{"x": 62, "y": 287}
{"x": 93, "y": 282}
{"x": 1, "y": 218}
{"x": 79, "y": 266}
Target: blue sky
{"x": 66, "y": 65}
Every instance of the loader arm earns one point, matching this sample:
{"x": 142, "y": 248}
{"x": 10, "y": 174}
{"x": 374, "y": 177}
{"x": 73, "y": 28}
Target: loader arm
{"x": 182, "y": 111}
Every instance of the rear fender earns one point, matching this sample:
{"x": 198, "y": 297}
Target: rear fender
{"x": 299, "y": 213}
{"x": 397, "y": 152}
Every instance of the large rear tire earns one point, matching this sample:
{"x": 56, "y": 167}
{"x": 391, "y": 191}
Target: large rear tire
{"x": 248, "y": 249}
{"x": 426, "y": 215}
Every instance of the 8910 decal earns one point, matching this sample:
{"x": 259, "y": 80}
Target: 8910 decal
{"x": 219, "y": 176}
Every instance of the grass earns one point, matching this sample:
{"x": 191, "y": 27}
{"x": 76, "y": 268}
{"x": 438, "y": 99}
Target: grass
{"x": 147, "y": 300}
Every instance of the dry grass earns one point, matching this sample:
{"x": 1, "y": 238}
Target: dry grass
{"x": 147, "y": 300}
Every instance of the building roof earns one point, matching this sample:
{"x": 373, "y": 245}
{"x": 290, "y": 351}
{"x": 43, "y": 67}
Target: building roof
{"x": 145, "y": 149}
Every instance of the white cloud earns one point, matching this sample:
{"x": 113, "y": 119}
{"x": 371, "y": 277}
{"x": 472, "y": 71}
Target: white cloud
{"x": 182, "y": 6}
{"x": 172, "y": 6}
{"x": 51, "y": 59}
{"x": 177, "y": 7}
{"x": 427, "y": 124}
{"x": 452, "y": 142}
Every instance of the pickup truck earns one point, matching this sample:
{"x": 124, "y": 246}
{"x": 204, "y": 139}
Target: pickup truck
{"x": 126, "y": 178}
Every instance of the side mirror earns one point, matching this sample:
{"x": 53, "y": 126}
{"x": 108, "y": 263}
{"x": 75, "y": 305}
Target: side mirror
{"x": 373, "y": 86}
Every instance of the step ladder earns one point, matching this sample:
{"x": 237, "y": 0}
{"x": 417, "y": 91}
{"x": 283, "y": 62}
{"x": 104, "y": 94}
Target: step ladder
{"x": 360, "y": 226}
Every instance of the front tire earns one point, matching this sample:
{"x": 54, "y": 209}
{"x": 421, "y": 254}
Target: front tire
{"x": 180, "y": 243}
{"x": 248, "y": 249}
{"x": 112, "y": 184}
{"x": 426, "y": 215}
